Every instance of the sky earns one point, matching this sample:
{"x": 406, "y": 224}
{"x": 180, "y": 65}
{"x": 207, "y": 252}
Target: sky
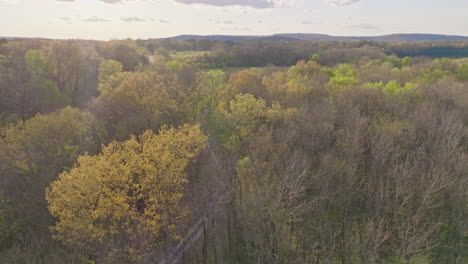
{"x": 144, "y": 19}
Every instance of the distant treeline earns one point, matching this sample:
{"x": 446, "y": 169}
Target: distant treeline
{"x": 436, "y": 52}
{"x": 287, "y": 53}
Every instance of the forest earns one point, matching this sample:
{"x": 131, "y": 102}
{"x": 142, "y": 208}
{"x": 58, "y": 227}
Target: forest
{"x": 202, "y": 151}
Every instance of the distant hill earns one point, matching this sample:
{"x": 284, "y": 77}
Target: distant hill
{"x": 324, "y": 37}
{"x": 215, "y": 37}
{"x": 304, "y": 37}
{"x": 9, "y": 38}
{"x": 19, "y": 38}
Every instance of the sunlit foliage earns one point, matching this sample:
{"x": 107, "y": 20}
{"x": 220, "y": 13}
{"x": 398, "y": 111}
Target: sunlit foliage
{"x": 130, "y": 190}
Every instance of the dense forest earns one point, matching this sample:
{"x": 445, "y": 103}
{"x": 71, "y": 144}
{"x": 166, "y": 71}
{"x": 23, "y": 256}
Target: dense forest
{"x": 201, "y": 151}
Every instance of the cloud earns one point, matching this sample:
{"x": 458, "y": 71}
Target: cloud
{"x": 343, "y": 2}
{"x": 225, "y": 22}
{"x": 236, "y": 28}
{"x": 67, "y": 20}
{"x": 164, "y": 21}
{"x": 249, "y": 3}
{"x": 308, "y": 23}
{"x": 105, "y": 1}
{"x": 365, "y": 26}
{"x": 132, "y": 19}
{"x": 8, "y": 2}
{"x": 95, "y": 19}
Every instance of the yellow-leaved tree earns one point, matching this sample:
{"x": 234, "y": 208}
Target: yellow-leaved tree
{"x": 125, "y": 199}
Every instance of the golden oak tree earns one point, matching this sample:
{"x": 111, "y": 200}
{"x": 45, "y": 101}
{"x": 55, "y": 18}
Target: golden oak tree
{"x": 132, "y": 189}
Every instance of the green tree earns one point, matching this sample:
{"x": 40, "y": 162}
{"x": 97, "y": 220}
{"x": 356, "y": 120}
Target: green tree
{"x": 109, "y": 69}
{"x": 34, "y": 152}
{"x": 44, "y": 93}
{"x": 246, "y": 111}
{"x": 36, "y": 63}
{"x": 406, "y": 61}
{"x": 342, "y": 77}
{"x": 305, "y": 80}
{"x": 395, "y": 89}
{"x": 462, "y": 72}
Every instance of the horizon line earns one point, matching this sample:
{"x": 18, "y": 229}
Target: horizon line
{"x": 233, "y": 35}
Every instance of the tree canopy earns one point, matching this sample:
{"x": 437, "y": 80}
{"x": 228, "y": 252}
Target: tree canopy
{"x": 132, "y": 190}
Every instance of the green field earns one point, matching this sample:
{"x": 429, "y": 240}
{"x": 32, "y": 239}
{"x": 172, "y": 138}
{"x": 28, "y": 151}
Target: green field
{"x": 188, "y": 55}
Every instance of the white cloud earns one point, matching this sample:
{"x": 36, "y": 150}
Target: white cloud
{"x": 95, "y": 19}
{"x": 250, "y": 3}
{"x": 105, "y": 1}
{"x": 365, "y": 26}
{"x": 8, "y": 2}
{"x": 132, "y": 19}
{"x": 342, "y": 2}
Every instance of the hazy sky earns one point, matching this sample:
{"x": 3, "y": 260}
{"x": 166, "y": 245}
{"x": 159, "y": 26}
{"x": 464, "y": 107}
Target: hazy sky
{"x": 115, "y": 19}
